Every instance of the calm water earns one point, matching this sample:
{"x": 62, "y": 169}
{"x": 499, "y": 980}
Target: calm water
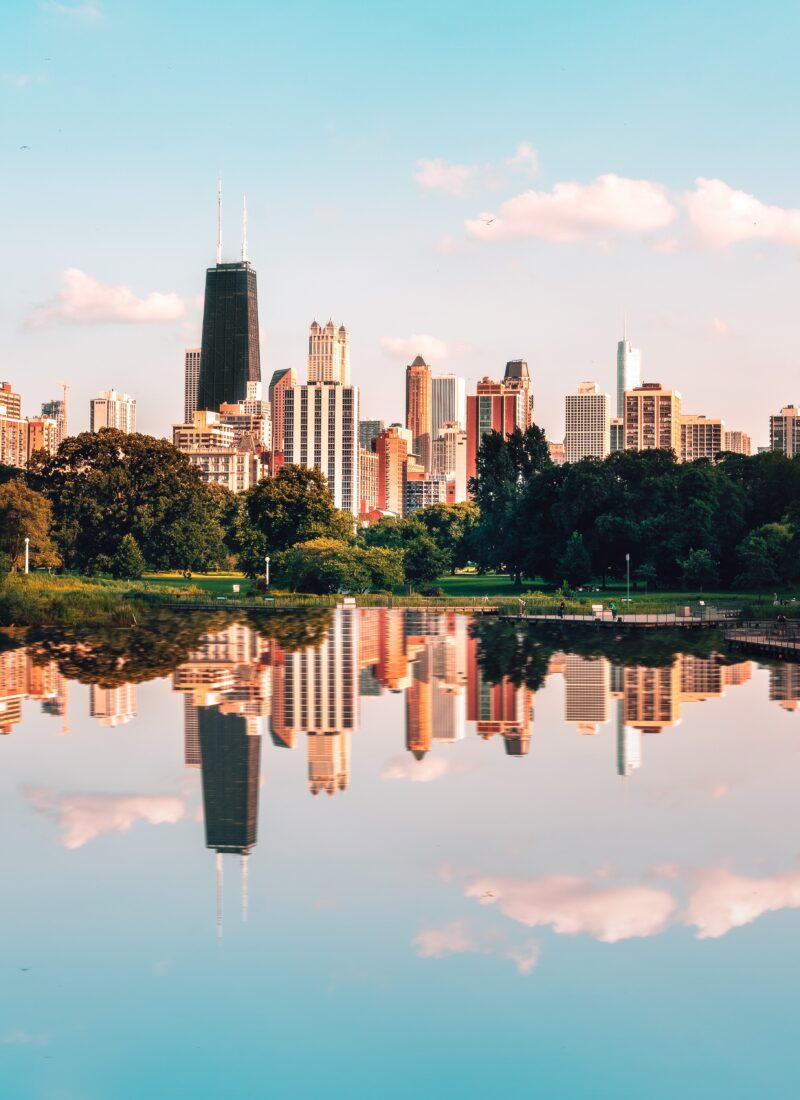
{"x": 237, "y": 867}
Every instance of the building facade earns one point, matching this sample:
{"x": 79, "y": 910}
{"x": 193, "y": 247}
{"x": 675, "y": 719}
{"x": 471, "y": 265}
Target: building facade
{"x": 321, "y": 431}
{"x": 230, "y": 356}
{"x": 191, "y": 380}
{"x": 57, "y": 410}
{"x": 701, "y": 437}
{"x": 42, "y": 435}
{"x": 328, "y": 353}
{"x": 418, "y": 409}
{"x": 368, "y": 432}
{"x": 738, "y": 443}
{"x": 652, "y": 418}
{"x": 784, "y": 431}
{"x": 368, "y": 470}
{"x": 391, "y": 447}
{"x": 629, "y": 371}
{"x": 448, "y": 402}
{"x": 449, "y": 459}
{"x": 423, "y": 493}
{"x": 494, "y": 407}
{"x": 13, "y": 429}
{"x": 517, "y": 379}
{"x": 280, "y": 382}
{"x": 588, "y": 423}
{"x": 112, "y": 410}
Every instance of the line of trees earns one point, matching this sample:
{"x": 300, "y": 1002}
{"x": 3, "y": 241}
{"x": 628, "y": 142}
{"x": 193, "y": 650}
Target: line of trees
{"x": 730, "y": 523}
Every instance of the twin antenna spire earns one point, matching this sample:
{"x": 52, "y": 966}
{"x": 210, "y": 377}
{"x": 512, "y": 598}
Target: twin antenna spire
{"x": 219, "y": 225}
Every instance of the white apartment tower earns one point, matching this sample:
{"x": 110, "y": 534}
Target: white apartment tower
{"x": 448, "y": 402}
{"x": 588, "y": 423}
{"x": 629, "y": 370}
{"x": 320, "y": 430}
{"x": 328, "y": 353}
{"x": 191, "y": 376}
{"x": 113, "y": 410}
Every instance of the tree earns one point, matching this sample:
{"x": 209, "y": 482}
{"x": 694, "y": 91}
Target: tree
{"x": 108, "y": 484}
{"x": 575, "y": 564}
{"x": 293, "y": 507}
{"x": 451, "y": 527}
{"x": 423, "y": 561}
{"x": 127, "y": 562}
{"x": 699, "y": 570}
{"x": 24, "y": 513}
{"x": 766, "y": 557}
{"x": 326, "y": 565}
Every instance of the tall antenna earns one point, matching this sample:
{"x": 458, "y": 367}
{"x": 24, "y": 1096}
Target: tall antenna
{"x": 219, "y": 220}
{"x": 220, "y": 895}
{"x": 245, "y": 898}
{"x": 65, "y": 389}
{"x": 244, "y": 230}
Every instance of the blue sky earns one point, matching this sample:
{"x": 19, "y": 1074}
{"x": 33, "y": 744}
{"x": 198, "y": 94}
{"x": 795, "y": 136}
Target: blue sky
{"x": 368, "y": 139}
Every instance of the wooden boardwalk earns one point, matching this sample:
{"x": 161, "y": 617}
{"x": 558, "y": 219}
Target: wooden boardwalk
{"x": 630, "y": 621}
{"x": 771, "y": 640}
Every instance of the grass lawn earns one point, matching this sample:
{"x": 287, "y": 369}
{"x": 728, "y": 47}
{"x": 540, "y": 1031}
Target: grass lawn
{"x": 218, "y": 584}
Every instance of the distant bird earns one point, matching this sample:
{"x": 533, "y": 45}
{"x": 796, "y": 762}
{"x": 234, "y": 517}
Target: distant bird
{"x": 24, "y": 968}
{"x": 488, "y": 221}
{"x": 488, "y": 894}
{"x": 24, "y": 146}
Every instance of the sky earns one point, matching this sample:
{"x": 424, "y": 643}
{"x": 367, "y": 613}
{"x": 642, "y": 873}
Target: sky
{"x": 473, "y": 182}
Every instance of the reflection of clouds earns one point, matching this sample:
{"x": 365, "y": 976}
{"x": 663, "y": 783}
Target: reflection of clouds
{"x": 449, "y": 939}
{"x": 18, "y": 1037}
{"x": 424, "y": 771}
{"x": 526, "y": 956}
{"x": 82, "y": 817}
{"x": 723, "y": 900}
{"x": 572, "y": 905}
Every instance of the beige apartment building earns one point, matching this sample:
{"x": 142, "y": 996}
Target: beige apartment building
{"x": 701, "y": 437}
{"x": 328, "y": 353}
{"x": 739, "y": 443}
{"x": 588, "y": 423}
{"x": 652, "y": 418}
{"x": 13, "y": 429}
{"x": 784, "y": 431}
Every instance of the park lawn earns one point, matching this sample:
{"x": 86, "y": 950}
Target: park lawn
{"x": 487, "y": 584}
{"x": 218, "y": 584}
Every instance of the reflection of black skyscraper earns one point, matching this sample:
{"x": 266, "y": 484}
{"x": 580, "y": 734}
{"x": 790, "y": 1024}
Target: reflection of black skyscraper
{"x": 229, "y": 358}
{"x": 231, "y": 763}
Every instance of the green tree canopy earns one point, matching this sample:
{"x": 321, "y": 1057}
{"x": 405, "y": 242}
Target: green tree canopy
{"x": 24, "y": 513}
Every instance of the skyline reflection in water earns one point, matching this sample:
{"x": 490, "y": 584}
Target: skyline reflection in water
{"x": 472, "y": 821}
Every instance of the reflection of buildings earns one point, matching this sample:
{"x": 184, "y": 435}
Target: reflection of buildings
{"x": 113, "y": 706}
{"x": 503, "y": 708}
{"x": 784, "y": 686}
{"x": 20, "y": 679}
{"x": 587, "y": 685}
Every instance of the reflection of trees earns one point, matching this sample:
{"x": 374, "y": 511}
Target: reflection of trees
{"x": 111, "y": 656}
{"x": 293, "y": 630}
{"x": 510, "y": 650}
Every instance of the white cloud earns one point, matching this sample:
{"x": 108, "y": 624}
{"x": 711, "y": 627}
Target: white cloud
{"x": 88, "y": 11}
{"x": 438, "y": 175}
{"x": 573, "y": 211}
{"x": 526, "y": 159}
{"x": 431, "y": 348}
{"x": 722, "y": 216}
{"x": 424, "y": 771}
{"x": 723, "y": 900}
{"x": 19, "y": 1037}
{"x": 82, "y": 817}
{"x": 84, "y": 300}
{"x": 526, "y": 956}
{"x": 449, "y": 939}
{"x": 572, "y": 905}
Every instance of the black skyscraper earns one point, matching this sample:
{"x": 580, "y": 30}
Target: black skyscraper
{"x": 230, "y": 354}
{"x": 231, "y": 762}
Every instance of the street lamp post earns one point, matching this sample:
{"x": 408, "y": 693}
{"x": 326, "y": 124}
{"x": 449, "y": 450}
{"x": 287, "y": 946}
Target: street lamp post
{"x": 266, "y": 571}
{"x": 27, "y": 555}
{"x": 628, "y": 564}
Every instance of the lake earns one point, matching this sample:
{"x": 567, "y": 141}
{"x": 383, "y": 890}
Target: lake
{"x": 378, "y": 853}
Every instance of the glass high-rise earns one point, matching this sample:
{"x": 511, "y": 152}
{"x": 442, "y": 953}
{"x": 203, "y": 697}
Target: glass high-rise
{"x": 229, "y": 356}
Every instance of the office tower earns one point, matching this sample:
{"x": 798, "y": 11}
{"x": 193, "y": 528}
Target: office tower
{"x": 328, "y": 353}
{"x": 42, "y": 434}
{"x": 13, "y": 429}
{"x": 449, "y": 460}
{"x": 587, "y": 692}
{"x": 113, "y": 706}
{"x": 701, "y": 437}
{"x": 738, "y": 443}
{"x": 629, "y": 745}
{"x": 229, "y": 354}
{"x": 192, "y": 757}
{"x": 112, "y": 410}
{"x": 57, "y": 410}
{"x": 493, "y": 407}
{"x": 419, "y": 709}
{"x": 368, "y": 432}
{"x": 368, "y": 471}
{"x": 448, "y": 402}
{"x": 423, "y": 493}
{"x": 652, "y": 418}
{"x": 517, "y": 380}
{"x": 321, "y": 431}
{"x": 784, "y": 431}
{"x": 391, "y": 447}
{"x": 588, "y": 415}
{"x": 191, "y": 379}
{"x": 418, "y": 409}
{"x": 629, "y": 371}
{"x": 616, "y": 434}
{"x": 281, "y": 381}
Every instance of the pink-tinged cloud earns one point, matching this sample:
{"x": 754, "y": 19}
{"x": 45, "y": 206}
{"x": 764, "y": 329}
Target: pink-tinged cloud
{"x": 85, "y": 301}
{"x": 438, "y": 175}
{"x": 609, "y": 205}
{"x": 448, "y": 939}
{"x": 526, "y": 956}
{"x": 431, "y": 348}
{"x": 424, "y": 771}
{"x": 722, "y": 216}
{"x": 722, "y": 900}
{"x": 571, "y": 905}
{"x": 720, "y": 328}
{"x": 526, "y": 159}
{"x": 83, "y": 817}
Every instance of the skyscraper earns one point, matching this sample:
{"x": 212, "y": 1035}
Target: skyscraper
{"x": 112, "y": 410}
{"x": 368, "y": 432}
{"x": 652, "y": 418}
{"x": 701, "y": 437}
{"x": 587, "y": 423}
{"x": 229, "y": 355}
{"x": 517, "y": 380}
{"x": 392, "y": 449}
{"x": 629, "y": 370}
{"x": 784, "y": 431}
{"x": 494, "y": 407}
{"x": 13, "y": 429}
{"x": 448, "y": 402}
{"x": 191, "y": 378}
{"x": 57, "y": 410}
{"x": 321, "y": 430}
{"x": 418, "y": 409}
{"x": 328, "y": 353}
{"x": 280, "y": 382}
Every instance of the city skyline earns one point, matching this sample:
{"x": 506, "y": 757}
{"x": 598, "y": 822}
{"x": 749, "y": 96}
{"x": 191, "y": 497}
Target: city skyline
{"x": 607, "y": 223}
